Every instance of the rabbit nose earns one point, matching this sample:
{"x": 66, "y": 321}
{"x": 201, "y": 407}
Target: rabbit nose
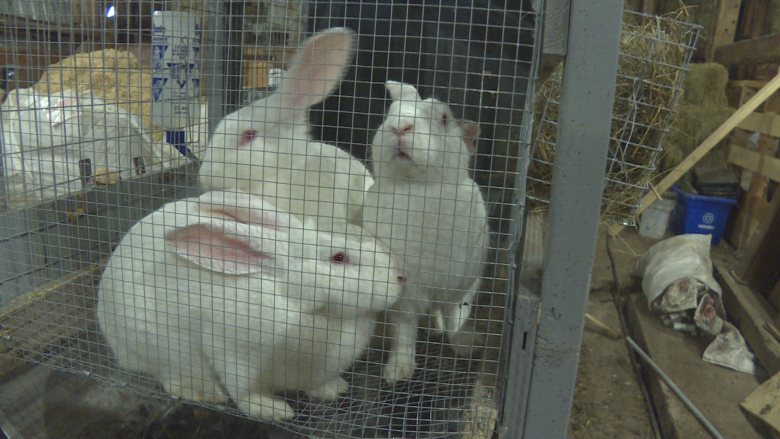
{"x": 402, "y": 279}
{"x": 400, "y": 132}
{"x": 404, "y": 129}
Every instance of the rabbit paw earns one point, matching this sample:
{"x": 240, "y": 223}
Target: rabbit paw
{"x": 467, "y": 342}
{"x": 211, "y": 393}
{"x": 437, "y": 323}
{"x": 177, "y": 390}
{"x": 105, "y": 177}
{"x": 398, "y": 368}
{"x": 331, "y": 390}
{"x": 267, "y": 407}
{"x": 205, "y": 391}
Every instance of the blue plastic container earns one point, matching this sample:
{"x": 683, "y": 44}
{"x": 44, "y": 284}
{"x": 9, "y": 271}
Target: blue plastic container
{"x": 701, "y": 215}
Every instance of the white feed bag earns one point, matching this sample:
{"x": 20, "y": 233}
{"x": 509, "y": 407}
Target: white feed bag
{"x": 683, "y": 256}
{"x": 60, "y": 144}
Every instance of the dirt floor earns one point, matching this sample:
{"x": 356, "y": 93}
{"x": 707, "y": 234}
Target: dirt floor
{"x": 608, "y": 402}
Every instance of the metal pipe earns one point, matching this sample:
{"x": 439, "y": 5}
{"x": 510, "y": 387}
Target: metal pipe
{"x": 684, "y": 399}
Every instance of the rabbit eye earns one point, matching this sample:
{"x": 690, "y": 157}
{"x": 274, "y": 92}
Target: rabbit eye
{"x": 340, "y": 258}
{"x": 247, "y": 137}
{"x": 444, "y": 119}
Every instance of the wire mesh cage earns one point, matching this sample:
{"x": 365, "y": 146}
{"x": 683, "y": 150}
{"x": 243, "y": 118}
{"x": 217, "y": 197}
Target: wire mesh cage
{"x": 655, "y": 52}
{"x": 301, "y": 213}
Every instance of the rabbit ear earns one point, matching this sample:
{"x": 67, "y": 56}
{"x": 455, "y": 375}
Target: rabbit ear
{"x": 400, "y": 91}
{"x": 218, "y": 250}
{"x": 248, "y": 209}
{"x": 470, "y": 134}
{"x": 318, "y": 68}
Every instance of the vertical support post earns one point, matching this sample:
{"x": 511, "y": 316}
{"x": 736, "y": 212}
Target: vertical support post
{"x": 725, "y": 25}
{"x": 584, "y": 122}
{"x": 234, "y": 62}
{"x": 224, "y": 58}
{"x": 215, "y": 39}
{"x": 522, "y": 305}
{"x": 3, "y": 195}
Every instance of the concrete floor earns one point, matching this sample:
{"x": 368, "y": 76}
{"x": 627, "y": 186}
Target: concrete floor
{"x": 716, "y": 391}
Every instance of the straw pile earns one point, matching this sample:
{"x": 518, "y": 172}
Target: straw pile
{"x": 651, "y": 67}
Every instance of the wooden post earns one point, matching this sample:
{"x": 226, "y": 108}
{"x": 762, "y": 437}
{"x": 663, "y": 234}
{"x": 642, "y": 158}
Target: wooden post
{"x": 760, "y": 264}
{"x": 725, "y": 25}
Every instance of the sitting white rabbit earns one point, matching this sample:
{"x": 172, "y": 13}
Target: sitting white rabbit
{"x": 227, "y": 290}
{"x": 431, "y": 214}
{"x": 266, "y": 148}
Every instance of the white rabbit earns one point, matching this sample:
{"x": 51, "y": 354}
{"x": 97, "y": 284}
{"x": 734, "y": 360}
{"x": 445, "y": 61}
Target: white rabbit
{"x": 431, "y": 213}
{"x": 227, "y": 290}
{"x": 266, "y": 149}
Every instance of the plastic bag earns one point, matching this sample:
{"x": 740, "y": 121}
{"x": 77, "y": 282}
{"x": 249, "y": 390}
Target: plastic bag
{"x": 678, "y": 283}
{"x": 675, "y": 259}
{"x": 55, "y": 145}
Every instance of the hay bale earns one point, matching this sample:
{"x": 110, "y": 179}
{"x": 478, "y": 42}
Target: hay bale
{"x": 651, "y": 67}
{"x": 703, "y": 108}
{"x": 705, "y": 84}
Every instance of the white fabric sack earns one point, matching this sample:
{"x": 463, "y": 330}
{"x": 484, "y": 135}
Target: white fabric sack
{"x": 673, "y": 267}
{"x": 676, "y": 258}
{"x": 55, "y": 145}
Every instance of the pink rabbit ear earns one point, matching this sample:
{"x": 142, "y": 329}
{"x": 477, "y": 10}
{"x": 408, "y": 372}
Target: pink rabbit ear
{"x": 318, "y": 68}
{"x": 216, "y": 249}
{"x": 470, "y": 134}
{"x": 248, "y": 209}
{"x": 400, "y": 91}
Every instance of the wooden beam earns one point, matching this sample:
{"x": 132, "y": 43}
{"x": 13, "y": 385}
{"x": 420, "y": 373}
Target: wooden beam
{"x": 763, "y": 405}
{"x": 774, "y": 298}
{"x": 760, "y": 50}
{"x": 725, "y": 27}
{"x": 764, "y": 123}
{"x": 11, "y": 23}
{"x": 598, "y": 326}
{"x": 710, "y": 142}
{"x": 760, "y": 263}
{"x": 752, "y": 23}
{"x": 29, "y": 65}
{"x": 747, "y": 83}
{"x": 749, "y": 311}
{"x": 756, "y": 162}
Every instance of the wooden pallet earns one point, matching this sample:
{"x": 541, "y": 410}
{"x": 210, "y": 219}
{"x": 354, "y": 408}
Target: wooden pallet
{"x": 757, "y": 166}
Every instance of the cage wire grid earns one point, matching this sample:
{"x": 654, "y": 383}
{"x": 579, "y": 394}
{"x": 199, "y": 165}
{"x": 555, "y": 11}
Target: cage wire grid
{"x": 88, "y": 164}
{"x": 655, "y": 52}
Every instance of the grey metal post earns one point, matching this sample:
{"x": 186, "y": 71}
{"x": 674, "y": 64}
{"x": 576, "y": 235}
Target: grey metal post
{"x": 223, "y": 57}
{"x": 584, "y": 122}
{"x": 215, "y": 43}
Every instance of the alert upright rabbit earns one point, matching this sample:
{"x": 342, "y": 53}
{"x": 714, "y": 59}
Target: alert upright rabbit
{"x": 430, "y": 213}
